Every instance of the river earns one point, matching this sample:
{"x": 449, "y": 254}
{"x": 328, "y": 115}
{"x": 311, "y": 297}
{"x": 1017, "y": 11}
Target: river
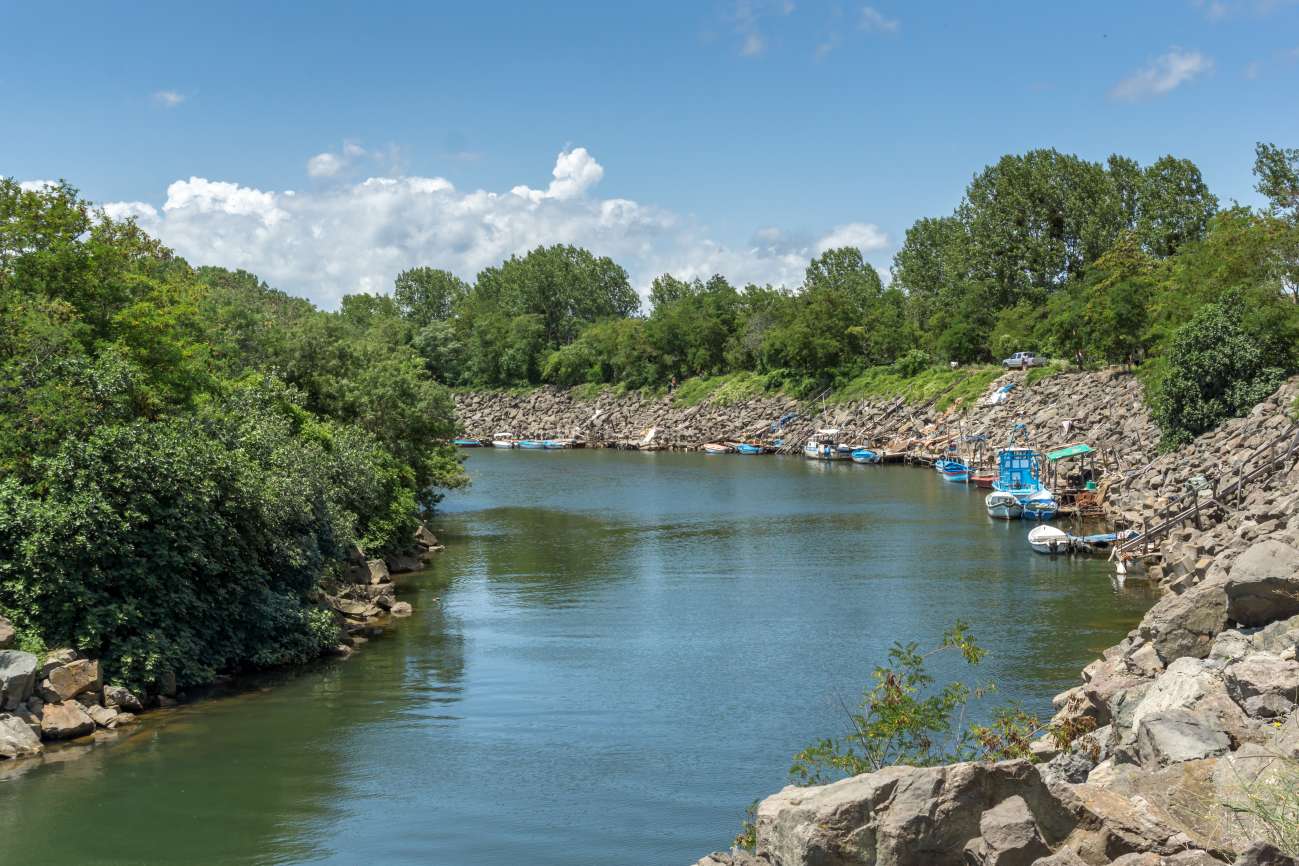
{"x": 615, "y": 655}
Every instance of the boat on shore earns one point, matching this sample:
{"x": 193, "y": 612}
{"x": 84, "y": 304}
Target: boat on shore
{"x": 503, "y": 440}
{"x": 1049, "y": 540}
{"x": 824, "y": 445}
{"x": 717, "y": 448}
{"x": 556, "y": 444}
{"x": 865, "y": 455}
{"x": 751, "y": 448}
{"x": 1003, "y": 506}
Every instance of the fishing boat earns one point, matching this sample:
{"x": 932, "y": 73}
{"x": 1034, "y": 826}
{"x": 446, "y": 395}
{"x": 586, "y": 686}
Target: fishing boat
{"x": 556, "y": 444}
{"x": 1101, "y": 541}
{"x": 751, "y": 448}
{"x": 1040, "y": 505}
{"x": 823, "y": 446}
{"x": 1049, "y": 540}
{"x": 532, "y": 444}
{"x": 1003, "y": 506}
{"x": 956, "y": 471}
{"x": 717, "y": 448}
{"x": 1017, "y": 472}
{"x": 502, "y": 440}
{"x": 865, "y": 455}
{"x": 466, "y": 442}
{"x": 983, "y": 479}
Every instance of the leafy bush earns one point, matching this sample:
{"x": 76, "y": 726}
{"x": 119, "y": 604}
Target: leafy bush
{"x": 1214, "y": 370}
{"x": 913, "y": 363}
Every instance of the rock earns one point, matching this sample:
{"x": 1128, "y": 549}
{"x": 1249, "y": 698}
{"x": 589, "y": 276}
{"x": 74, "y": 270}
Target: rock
{"x": 1263, "y": 585}
{"x": 1144, "y": 661}
{"x": 17, "y": 678}
{"x": 1178, "y": 735}
{"x": 47, "y": 692}
{"x": 1009, "y": 835}
{"x": 167, "y": 684}
{"x": 1186, "y": 624}
{"x": 425, "y": 538}
{"x": 102, "y": 716}
{"x": 1268, "y": 706}
{"x": 65, "y": 721}
{"x": 401, "y": 608}
{"x": 122, "y": 719}
{"x": 1261, "y": 674}
{"x": 403, "y": 564}
{"x": 56, "y": 658}
{"x": 378, "y": 571}
{"x": 731, "y": 858}
{"x": 7, "y": 634}
{"x": 74, "y": 678}
{"x": 120, "y": 698}
{"x": 17, "y": 739}
{"x": 1264, "y": 854}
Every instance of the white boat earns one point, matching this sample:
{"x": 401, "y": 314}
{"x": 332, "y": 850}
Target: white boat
{"x": 1040, "y": 506}
{"x": 1003, "y": 505}
{"x": 503, "y": 440}
{"x": 1049, "y": 540}
{"x": 717, "y": 448}
{"x": 824, "y": 445}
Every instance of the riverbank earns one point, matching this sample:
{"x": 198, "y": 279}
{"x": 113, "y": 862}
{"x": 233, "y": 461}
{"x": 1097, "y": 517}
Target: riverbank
{"x": 59, "y": 699}
{"x": 1193, "y": 751}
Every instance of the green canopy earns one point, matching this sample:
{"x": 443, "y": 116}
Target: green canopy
{"x": 1068, "y": 451}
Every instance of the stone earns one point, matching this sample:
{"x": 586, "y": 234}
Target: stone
{"x": 1144, "y": 661}
{"x": 47, "y": 692}
{"x": 74, "y": 678}
{"x": 17, "y": 739}
{"x": 731, "y": 858}
{"x": 1264, "y": 854}
{"x": 1009, "y": 835}
{"x": 65, "y": 721}
{"x": 1268, "y": 706}
{"x": 1186, "y": 624}
{"x": 1262, "y": 674}
{"x": 167, "y": 684}
{"x": 7, "y": 634}
{"x": 17, "y": 678}
{"x": 119, "y": 698}
{"x": 102, "y": 716}
{"x": 57, "y": 657}
{"x": 378, "y": 570}
{"x": 1178, "y": 735}
{"x": 403, "y": 563}
{"x": 122, "y": 719}
{"x": 1263, "y": 584}
{"x": 401, "y": 608}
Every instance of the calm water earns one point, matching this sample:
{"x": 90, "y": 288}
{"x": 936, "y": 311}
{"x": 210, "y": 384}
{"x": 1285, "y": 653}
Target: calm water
{"x": 617, "y": 653}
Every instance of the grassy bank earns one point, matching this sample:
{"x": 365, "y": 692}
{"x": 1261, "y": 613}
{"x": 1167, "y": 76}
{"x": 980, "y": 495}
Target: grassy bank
{"x": 948, "y": 387}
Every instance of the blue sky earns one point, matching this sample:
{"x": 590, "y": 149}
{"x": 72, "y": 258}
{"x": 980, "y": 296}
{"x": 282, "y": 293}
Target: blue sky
{"x": 732, "y": 136}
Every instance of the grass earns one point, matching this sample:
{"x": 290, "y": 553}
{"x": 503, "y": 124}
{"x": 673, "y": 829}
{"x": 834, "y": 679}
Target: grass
{"x": 1269, "y": 806}
{"x": 1046, "y": 371}
{"x": 948, "y": 387}
{"x": 720, "y": 390}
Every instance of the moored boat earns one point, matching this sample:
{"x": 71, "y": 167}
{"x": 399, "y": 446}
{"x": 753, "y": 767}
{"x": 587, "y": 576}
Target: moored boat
{"x": 956, "y": 471}
{"x": 823, "y": 446}
{"x": 865, "y": 455}
{"x": 1003, "y": 506}
{"x": 466, "y": 442}
{"x": 555, "y": 444}
{"x": 750, "y": 448}
{"x": 1040, "y": 506}
{"x": 503, "y": 440}
{"x": 717, "y": 448}
{"x": 983, "y": 479}
{"x": 1049, "y": 540}
{"x": 532, "y": 444}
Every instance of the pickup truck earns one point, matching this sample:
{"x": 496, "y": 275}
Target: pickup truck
{"x": 1022, "y": 361}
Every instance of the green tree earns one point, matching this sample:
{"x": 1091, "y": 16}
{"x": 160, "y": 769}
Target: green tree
{"x": 426, "y": 295}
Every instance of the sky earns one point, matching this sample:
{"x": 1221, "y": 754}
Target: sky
{"x": 326, "y": 146}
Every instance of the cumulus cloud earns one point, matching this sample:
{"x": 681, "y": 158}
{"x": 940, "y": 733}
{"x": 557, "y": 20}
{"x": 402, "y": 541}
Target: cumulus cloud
{"x": 746, "y": 17}
{"x": 168, "y": 98}
{"x": 357, "y": 236}
{"x": 35, "y": 185}
{"x": 876, "y": 21}
{"x": 1163, "y": 75}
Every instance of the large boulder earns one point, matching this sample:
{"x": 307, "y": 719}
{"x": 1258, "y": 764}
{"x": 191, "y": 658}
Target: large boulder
{"x": 120, "y": 698}
{"x": 906, "y": 816}
{"x": 1264, "y": 854}
{"x": 1186, "y": 624}
{"x": 1174, "y": 736}
{"x": 17, "y": 678}
{"x": 1263, "y": 585}
{"x": 65, "y": 721}
{"x": 1008, "y": 835}
{"x": 7, "y": 633}
{"x": 1260, "y": 674}
{"x": 377, "y": 571}
{"x": 17, "y": 740}
{"x": 73, "y": 678}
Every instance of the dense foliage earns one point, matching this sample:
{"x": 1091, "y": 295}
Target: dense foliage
{"x": 185, "y": 455}
{"x": 1086, "y": 262}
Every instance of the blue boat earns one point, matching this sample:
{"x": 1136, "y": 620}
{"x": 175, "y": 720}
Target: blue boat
{"x": 556, "y": 444}
{"x": 1040, "y": 506}
{"x": 954, "y": 470}
{"x": 750, "y": 448}
{"x": 467, "y": 443}
{"x": 534, "y": 444}
{"x": 865, "y": 455}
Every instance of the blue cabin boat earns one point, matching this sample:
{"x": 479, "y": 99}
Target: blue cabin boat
{"x": 1017, "y": 472}
{"x": 750, "y": 448}
{"x": 533, "y": 444}
{"x": 865, "y": 455}
{"x": 467, "y": 443}
{"x": 955, "y": 470}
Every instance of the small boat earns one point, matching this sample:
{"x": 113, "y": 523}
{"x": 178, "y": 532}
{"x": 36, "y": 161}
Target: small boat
{"x": 555, "y": 444}
{"x": 750, "y": 448}
{"x": 502, "y": 440}
{"x": 1003, "y": 506}
{"x": 1049, "y": 540}
{"x": 1101, "y": 541}
{"x": 532, "y": 444}
{"x": 467, "y": 443}
{"x": 954, "y": 470}
{"x": 822, "y": 446}
{"x": 983, "y": 479}
{"x": 1040, "y": 505}
{"x": 717, "y": 448}
{"x": 865, "y": 455}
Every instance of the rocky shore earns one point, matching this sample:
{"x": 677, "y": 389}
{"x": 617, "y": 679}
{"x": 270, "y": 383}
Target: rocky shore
{"x": 60, "y": 698}
{"x": 1191, "y": 754}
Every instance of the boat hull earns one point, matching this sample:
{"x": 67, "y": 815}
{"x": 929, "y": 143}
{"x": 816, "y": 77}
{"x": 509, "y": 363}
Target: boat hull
{"x": 532, "y": 444}
{"x": 1049, "y": 541}
{"x": 865, "y": 455}
{"x": 751, "y": 449}
{"x": 1003, "y": 506}
{"x": 502, "y": 443}
{"x": 466, "y": 443}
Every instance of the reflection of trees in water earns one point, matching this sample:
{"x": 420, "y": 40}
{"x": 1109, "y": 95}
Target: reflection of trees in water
{"x": 254, "y": 776}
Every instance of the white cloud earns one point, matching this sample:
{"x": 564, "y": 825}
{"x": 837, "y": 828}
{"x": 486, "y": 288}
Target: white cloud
{"x": 357, "y": 236}
{"x": 168, "y": 98}
{"x": 35, "y": 185}
{"x": 1220, "y": 10}
{"x": 1163, "y": 75}
{"x": 875, "y": 21}
{"x": 753, "y": 45}
{"x": 324, "y": 165}
{"x": 331, "y": 164}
